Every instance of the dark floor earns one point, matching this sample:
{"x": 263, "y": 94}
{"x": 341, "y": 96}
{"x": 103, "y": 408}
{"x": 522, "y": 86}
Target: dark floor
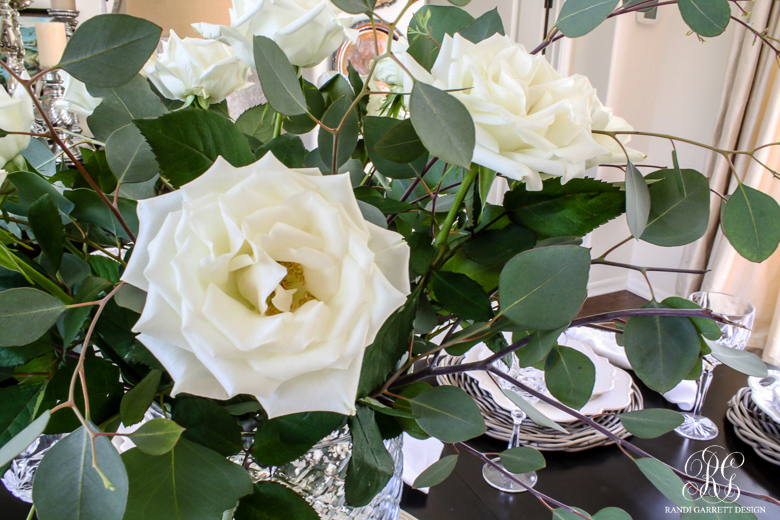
{"x": 611, "y": 302}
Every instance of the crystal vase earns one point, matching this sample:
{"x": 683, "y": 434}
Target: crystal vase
{"x": 318, "y": 476}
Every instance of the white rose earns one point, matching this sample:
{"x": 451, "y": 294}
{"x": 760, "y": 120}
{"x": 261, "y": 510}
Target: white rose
{"x": 528, "y": 117}
{"x": 267, "y": 281}
{"x": 206, "y": 69}
{"x": 76, "y": 99}
{"x": 3, "y": 175}
{"x": 16, "y": 115}
{"x": 308, "y": 31}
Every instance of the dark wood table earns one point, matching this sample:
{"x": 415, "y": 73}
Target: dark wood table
{"x": 591, "y": 479}
{"x": 599, "y": 477}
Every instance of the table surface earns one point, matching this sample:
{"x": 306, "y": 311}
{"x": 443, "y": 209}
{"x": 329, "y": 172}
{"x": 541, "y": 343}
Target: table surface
{"x": 600, "y": 477}
{"x": 592, "y": 479}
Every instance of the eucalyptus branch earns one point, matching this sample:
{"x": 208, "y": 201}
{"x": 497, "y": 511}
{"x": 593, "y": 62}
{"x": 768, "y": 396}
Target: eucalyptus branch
{"x": 600, "y": 261}
{"x": 546, "y": 500}
{"x": 444, "y": 232}
{"x": 412, "y": 186}
{"x": 763, "y": 37}
{"x": 27, "y": 84}
{"x": 613, "y": 248}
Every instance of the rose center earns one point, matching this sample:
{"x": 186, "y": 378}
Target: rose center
{"x": 291, "y": 293}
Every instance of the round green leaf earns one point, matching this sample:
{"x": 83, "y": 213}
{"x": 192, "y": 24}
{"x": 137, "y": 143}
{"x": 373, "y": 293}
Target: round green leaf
{"x": 651, "y": 423}
{"x": 665, "y": 481}
{"x": 579, "y": 17}
{"x": 345, "y": 142}
{"x": 571, "y": 377}
{"x": 26, "y": 314}
{"x": 522, "y": 459}
{"x": 274, "y": 501}
{"x": 751, "y": 222}
{"x": 436, "y": 473}
{"x": 550, "y": 298}
{"x": 443, "y": 124}
{"x": 108, "y": 50}
{"x": 705, "y": 17}
{"x": 448, "y": 413}
{"x": 67, "y": 487}
{"x": 677, "y": 217}
{"x": 611, "y": 513}
{"x": 157, "y": 437}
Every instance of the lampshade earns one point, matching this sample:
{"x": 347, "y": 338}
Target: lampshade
{"x": 179, "y": 14}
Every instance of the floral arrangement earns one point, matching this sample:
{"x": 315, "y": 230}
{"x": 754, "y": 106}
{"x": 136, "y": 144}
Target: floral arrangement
{"x": 245, "y": 284}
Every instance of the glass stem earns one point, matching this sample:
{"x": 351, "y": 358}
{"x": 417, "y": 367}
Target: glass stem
{"x": 702, "y": 387}
{"x": 518, "y": 416}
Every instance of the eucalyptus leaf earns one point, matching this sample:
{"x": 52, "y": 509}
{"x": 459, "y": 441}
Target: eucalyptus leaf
{"x": 436, "y": 473}
{"x": 258, "y": 122}
{"x": 208, "y": 424}
{"x": 157, "y": 437}
{"x": 400, "y": 144}
{"x": 448, "y": 413}
{"x": 705, "y": 17}
{"x": 461, "y": 295}
{"x": 677, "y": 218}
{"x": 706, "y": 327}
{"x": 371, "y": 465}
{"x": 288, "y": 148}
{"x": 443, "y": 124}
{"x": 283, "y": 439}
{"x": 343, "y": 143}
{"x": 751, "y": 222}
{"x": 539, "y": 346}
{"x": 67, "y": 487}
{"x": 355, "y": 6}
{"x": 278, "y": 78}
{"x": 374, "y": 129}
{"x": 483, "y": 27}
{"x": 108, "y": 50}
{"x": 129, "y": 156}
{"x": 428, "y": 27}
{"x": 522, "y": 459}
{"x": 44, "y": 219}
{"x": 611, "y": 513}
{"x": 11, "y": 448}
{"x": 650, "y": 423}
{"x": 136, "y": 401}
{"x": 89, "y": 207}
{"x": 637, "y": 200}
{"x": 740, "y": 360}
{"x": 553, "y": 296}
{"x": 131, "y": 297}
{"x": 26, "y": 314}
{"x": 579, "y": 17}
{"x": 88, "y": 291}
{"x": 19, "y": 402}
{"x": 171, "y": 485}
{"x": 274, "y": 501}
{"x": 665, "y": 481}
{"x": 121, "y": 105}
{"x": 571, "y": 377}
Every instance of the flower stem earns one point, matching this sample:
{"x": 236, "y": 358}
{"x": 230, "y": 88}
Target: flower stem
{"x": 278, "y": 120}
{"x": 444, "y": 232}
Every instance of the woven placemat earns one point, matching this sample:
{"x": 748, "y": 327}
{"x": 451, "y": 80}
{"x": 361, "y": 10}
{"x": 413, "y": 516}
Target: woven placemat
{"x": 498, "y": 420}
{"x": 754, "y": 427}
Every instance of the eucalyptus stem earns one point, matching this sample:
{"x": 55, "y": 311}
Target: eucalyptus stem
{"x": 600, "y": 261}
{"x": 278, "y": 120}
{"x": 460, "y": 196}
{"x": 31, "y": 513}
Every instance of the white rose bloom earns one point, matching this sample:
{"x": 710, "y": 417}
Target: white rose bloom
{"x": 76, "y": 98}
{"x": 3, "y": 175}
{"x": 528, "y": 117}
{"x": 206, "y": 69}
{"x": 16, "y": 115}
{"x": 267, "y": 281}
{"x": 308, "y": 31}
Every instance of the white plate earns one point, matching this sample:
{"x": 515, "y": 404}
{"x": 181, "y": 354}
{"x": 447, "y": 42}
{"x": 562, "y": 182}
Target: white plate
{"x": 763, "y": 395}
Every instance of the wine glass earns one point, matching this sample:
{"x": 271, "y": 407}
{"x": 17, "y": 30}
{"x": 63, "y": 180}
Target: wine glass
{"x": 735, "y": 334}
{"x": 532, "y": 378}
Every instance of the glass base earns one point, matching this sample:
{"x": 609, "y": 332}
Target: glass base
{"x": 503, "y": 483}
{"x": 697, "y": 427}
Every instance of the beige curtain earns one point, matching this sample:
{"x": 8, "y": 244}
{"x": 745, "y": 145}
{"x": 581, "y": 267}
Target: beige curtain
{"x": 749, "y": 117}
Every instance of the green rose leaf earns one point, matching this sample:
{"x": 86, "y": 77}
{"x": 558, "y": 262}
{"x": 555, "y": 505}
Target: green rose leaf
{"x": 108, "y": 50}
{"x": 611, "y": 513}
{"x": 650, "y": 423}
{"x": 498, "y": 245}
{"x": 483, "y": 27}
{"x": 443, "y": 124}
{"x": 461, "y": 295}
{"x": 288, "y": 148}
{"x": 120, "y": 106}
{"x": 553, "y": 296}
{"x": 89, "y": 207}
{"x": 21, "y": 440}
{"x": 67, "y": 487}
{"x": 157, "y": 437}
{"x": 751, "y": 222}
{"x": 88, "y": 291}
{"x": 448, "y": 413}
{"x": 706, "y": 327}
{"x": 284, "y": 439}
{"x": 186, "y": 143}
{"x": 171, "y": 485}
{"x": 677, "y": 217}
{"x": 522, "y": 460}
{"x": 371, "y": 465}
{"x": 436, "y": 473}
{"x": 343, "y": 143}
{"x": 572, "y": 209}
{"x": 665, "y": 481}
{"x": 705, "y": 17}
{"x": 571, "y": 377}
{"x": 16, "y": 414}
{"x": 208, "y": 424}
{"x": 579, "y": 17}
{"x": 661, "y": 349}
{"x": 637, "y": 200}
{"x": 278, "y": 78}
{"x": 428, "y": 27}
{"x": 391, "y": 342}
{"x": 139, "y": 398}
{"x": 374, "y": 129}
{"x": 257, "y": 122}
{"x": 355, "y": 6}
{"x": 740, "y": 360}
{"x": 45, "y": 222}
{"x": 130, "y": 157}
{"x": 26, "y": 314}
{"x": 274, "y": 501}
{"x": 30, "y": 188}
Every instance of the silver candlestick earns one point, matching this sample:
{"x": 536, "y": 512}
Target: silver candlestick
{"x": 67, "y": 17}
{"x": 11, "y": 37}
